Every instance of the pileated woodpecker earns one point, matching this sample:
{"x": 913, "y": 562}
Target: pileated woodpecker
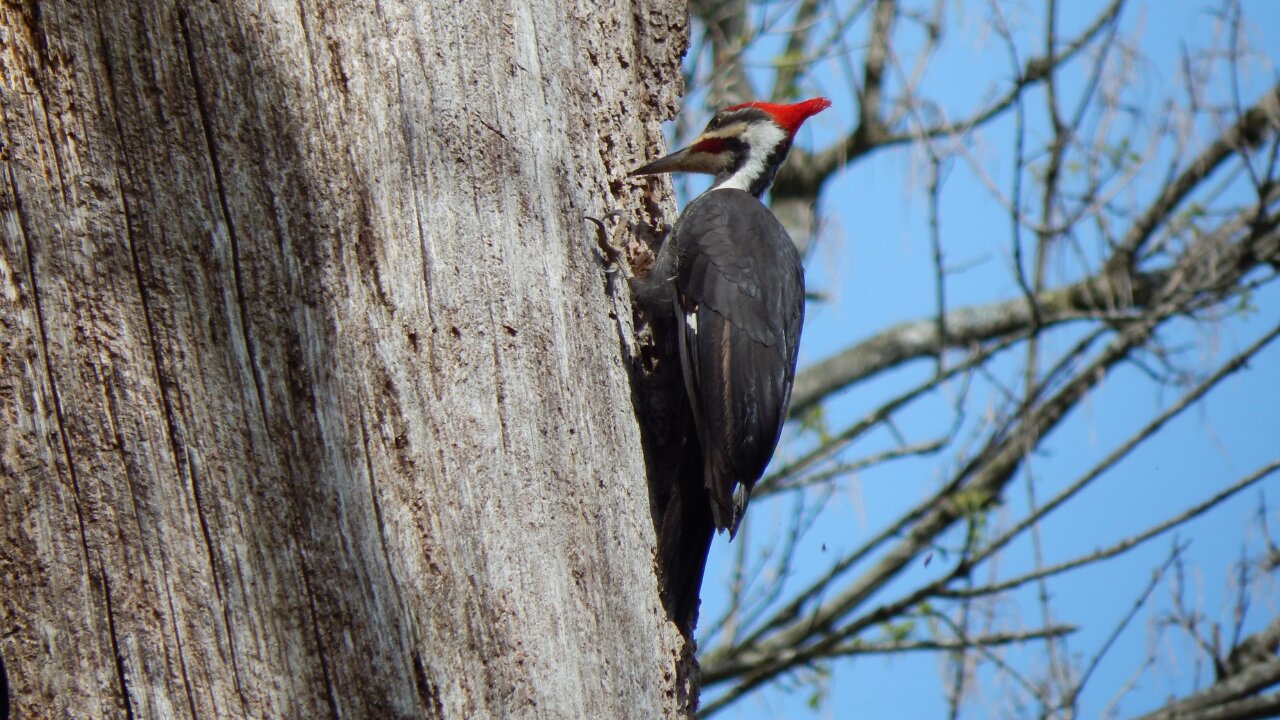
{"x": 732, "y": 277}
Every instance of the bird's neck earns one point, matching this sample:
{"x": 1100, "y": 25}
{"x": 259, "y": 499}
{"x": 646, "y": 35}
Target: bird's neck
{"x": 754, "y": 169}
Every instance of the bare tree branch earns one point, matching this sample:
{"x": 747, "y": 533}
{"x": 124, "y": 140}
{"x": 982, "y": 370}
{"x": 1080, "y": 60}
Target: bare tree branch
{"x": 784, "y": 84}
{"x": 1118, "y": 548}
{"x": 1256, "y": 124}
{"x": 987, "y": 640}
{"x": 725, "y": 22}
{"x": 1235, "y": 364}
{"x": 966, "y": 326}
{"x": 1256, "y": 648}
{"x": 1072, "y": 697}
{"x": 805, "y": 173}
{"x": 1225, "y": 699}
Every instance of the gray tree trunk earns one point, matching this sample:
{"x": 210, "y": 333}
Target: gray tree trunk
{"x": 312, "y": 402}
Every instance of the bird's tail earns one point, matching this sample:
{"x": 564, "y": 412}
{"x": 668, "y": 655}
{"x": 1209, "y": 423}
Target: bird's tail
{"x": 729, "y": 495}
{"x": 684, "y": 541}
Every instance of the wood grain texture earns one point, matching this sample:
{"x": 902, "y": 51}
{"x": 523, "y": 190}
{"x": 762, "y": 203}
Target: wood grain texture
{"x": 311, "y": 399}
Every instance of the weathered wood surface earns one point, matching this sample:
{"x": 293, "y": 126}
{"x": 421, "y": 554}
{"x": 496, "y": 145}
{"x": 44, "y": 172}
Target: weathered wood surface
{"x": 311, "y": 403}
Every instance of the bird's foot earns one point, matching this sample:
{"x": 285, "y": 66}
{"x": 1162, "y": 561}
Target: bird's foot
{"x": 612, "y": 244}
{"x": 617, "y": 268}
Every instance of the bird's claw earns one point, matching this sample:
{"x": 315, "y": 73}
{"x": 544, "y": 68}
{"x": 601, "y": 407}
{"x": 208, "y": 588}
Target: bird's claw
{"x": 614, "y": 244}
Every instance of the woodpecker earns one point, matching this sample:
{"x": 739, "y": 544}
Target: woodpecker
{"x": 733, "y": 279}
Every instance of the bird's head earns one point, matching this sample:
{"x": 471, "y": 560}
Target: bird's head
{"x": 743, "y": 145}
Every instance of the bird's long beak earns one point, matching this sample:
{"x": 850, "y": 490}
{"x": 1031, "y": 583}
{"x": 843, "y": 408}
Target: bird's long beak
{"x": 675, "y": 162}
{"x": 685, "y": 160}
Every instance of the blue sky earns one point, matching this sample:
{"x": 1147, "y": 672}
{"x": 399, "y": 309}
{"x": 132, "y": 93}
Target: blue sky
{"x": 874, "y": 263}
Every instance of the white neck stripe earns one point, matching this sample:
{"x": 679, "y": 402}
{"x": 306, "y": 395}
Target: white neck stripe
{"x": 761, "y": 138}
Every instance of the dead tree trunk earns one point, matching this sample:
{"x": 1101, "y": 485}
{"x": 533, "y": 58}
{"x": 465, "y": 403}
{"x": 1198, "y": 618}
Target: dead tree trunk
{"x": 311, "y": 399}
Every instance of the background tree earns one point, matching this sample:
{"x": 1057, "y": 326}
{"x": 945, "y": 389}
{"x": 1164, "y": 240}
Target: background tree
{"x": 1101, "y": 234}
{"x": 311, "y": 404}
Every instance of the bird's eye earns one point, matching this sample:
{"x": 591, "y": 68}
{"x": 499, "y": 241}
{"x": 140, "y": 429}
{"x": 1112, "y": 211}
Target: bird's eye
{"x": 715, "y": 122}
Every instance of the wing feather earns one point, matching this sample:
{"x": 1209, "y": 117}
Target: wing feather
{"x": 740, "y": 291}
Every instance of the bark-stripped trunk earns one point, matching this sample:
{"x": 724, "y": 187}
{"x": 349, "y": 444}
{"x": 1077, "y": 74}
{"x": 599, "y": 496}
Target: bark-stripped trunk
{"x": 311, "y": 400}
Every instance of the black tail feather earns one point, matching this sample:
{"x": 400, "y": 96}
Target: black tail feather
{"x": 684, "y": 539}
{"x": 678, "y": 499}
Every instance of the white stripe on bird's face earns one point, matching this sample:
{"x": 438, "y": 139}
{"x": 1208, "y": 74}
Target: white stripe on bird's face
{"x": 761, "y": 138}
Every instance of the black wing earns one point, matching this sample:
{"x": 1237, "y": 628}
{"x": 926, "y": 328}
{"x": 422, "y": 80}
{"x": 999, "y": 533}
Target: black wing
{"x": 740, "y": 291}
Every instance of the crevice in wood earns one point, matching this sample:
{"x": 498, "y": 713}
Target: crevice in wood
{"x": 48, "y": 365}
{"x": 178, "y": 649}
{"x": 428, "y": 694}
{"x": 121, "y": 676}
{"x": 219, "y": 581}
{"x": 377, "y": 513}
{"x": 237, "y": 273}
{"x": 322, "y": 653}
